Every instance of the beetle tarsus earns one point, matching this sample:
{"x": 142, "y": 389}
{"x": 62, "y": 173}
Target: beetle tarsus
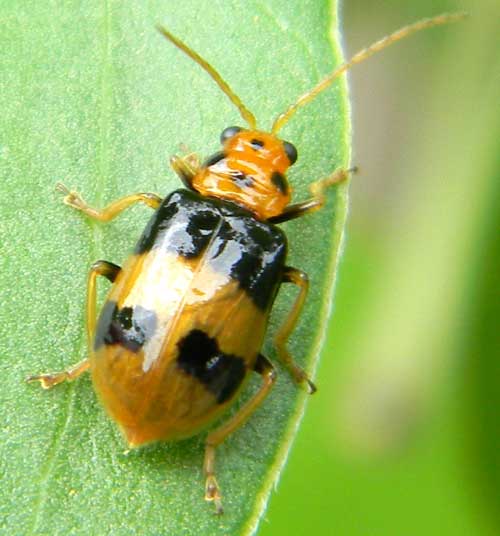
{"x": 301, "y": 378}
{"x": 312, "y": 386}
{"x": 50, "y": 379}
{"x": 72, "y": 199}
{"x": 212, "y": 493}
{"x": 47, "y": 381}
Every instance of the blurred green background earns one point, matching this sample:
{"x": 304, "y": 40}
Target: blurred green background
{"x": 403, "y": 436}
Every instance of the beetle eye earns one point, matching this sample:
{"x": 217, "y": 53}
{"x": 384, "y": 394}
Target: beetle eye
{"x": 229, "y": 132}
{"x": 291, "y": 152}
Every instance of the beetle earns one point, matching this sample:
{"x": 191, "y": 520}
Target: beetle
{"x": 183, "y": 323}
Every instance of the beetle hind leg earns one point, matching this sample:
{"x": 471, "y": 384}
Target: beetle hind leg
{"x": 299, "y": 278}
{"x": 212, "y": 491}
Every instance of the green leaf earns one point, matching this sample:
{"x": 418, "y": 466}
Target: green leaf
{"x": 91, "y": 95}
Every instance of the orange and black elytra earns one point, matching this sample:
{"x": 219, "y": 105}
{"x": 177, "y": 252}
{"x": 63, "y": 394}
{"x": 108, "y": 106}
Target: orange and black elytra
{"x": 183, "y": 323}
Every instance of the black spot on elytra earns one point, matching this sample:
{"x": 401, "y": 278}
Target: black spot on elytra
{"x": 198, "y": 232}
{"x": 130, "y": 327}
{"x": 103, "y": 323}
{"x": 230, "y": 239}
{"x": 181, "y": 225}
{"x": 157, "y": 225}
{"x": 253, "y": 253}
{"x": 201, "y": 358}
{"x": 280, "y": 182}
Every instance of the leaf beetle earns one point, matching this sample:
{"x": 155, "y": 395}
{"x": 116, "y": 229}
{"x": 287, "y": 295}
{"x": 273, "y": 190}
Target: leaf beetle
{"x": 184, "y": 321}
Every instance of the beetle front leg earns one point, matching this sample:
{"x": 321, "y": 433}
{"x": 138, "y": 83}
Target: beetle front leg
{"x": 48, "y": 380}
{"x": 318, "y": 190}
{"x": 186, "y": 167}
{"x": 212, "y": 492}
{"x": 74, "y": 200}
{"x": 299, "y": 278}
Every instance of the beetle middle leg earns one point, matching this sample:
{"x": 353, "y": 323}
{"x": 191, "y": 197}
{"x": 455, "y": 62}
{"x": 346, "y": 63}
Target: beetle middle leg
{"x": 74, "y": 200}
{"x": 299, "y": 278}
{"x": 48, "y": 380}
{"x": 266, "y": 370}
{"x": 110, "y": 272}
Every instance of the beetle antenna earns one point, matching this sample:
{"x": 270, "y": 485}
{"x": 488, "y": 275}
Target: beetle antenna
{"x": 245, "y": 113}
{"x": 361, "y": 56}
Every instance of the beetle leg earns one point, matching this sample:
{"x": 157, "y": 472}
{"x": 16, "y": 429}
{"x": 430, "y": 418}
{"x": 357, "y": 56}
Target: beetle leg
{"x": 212, "y": 492}
{"x": 50, "y": 379}
{"x": 74, "y": 200}
{"x": 53, "y": 378}
{"x": 299, "y": 278}
{"x": 186, "y": 167}
{"x": 108, "y": 270}
{"x": 317, "y": 201}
